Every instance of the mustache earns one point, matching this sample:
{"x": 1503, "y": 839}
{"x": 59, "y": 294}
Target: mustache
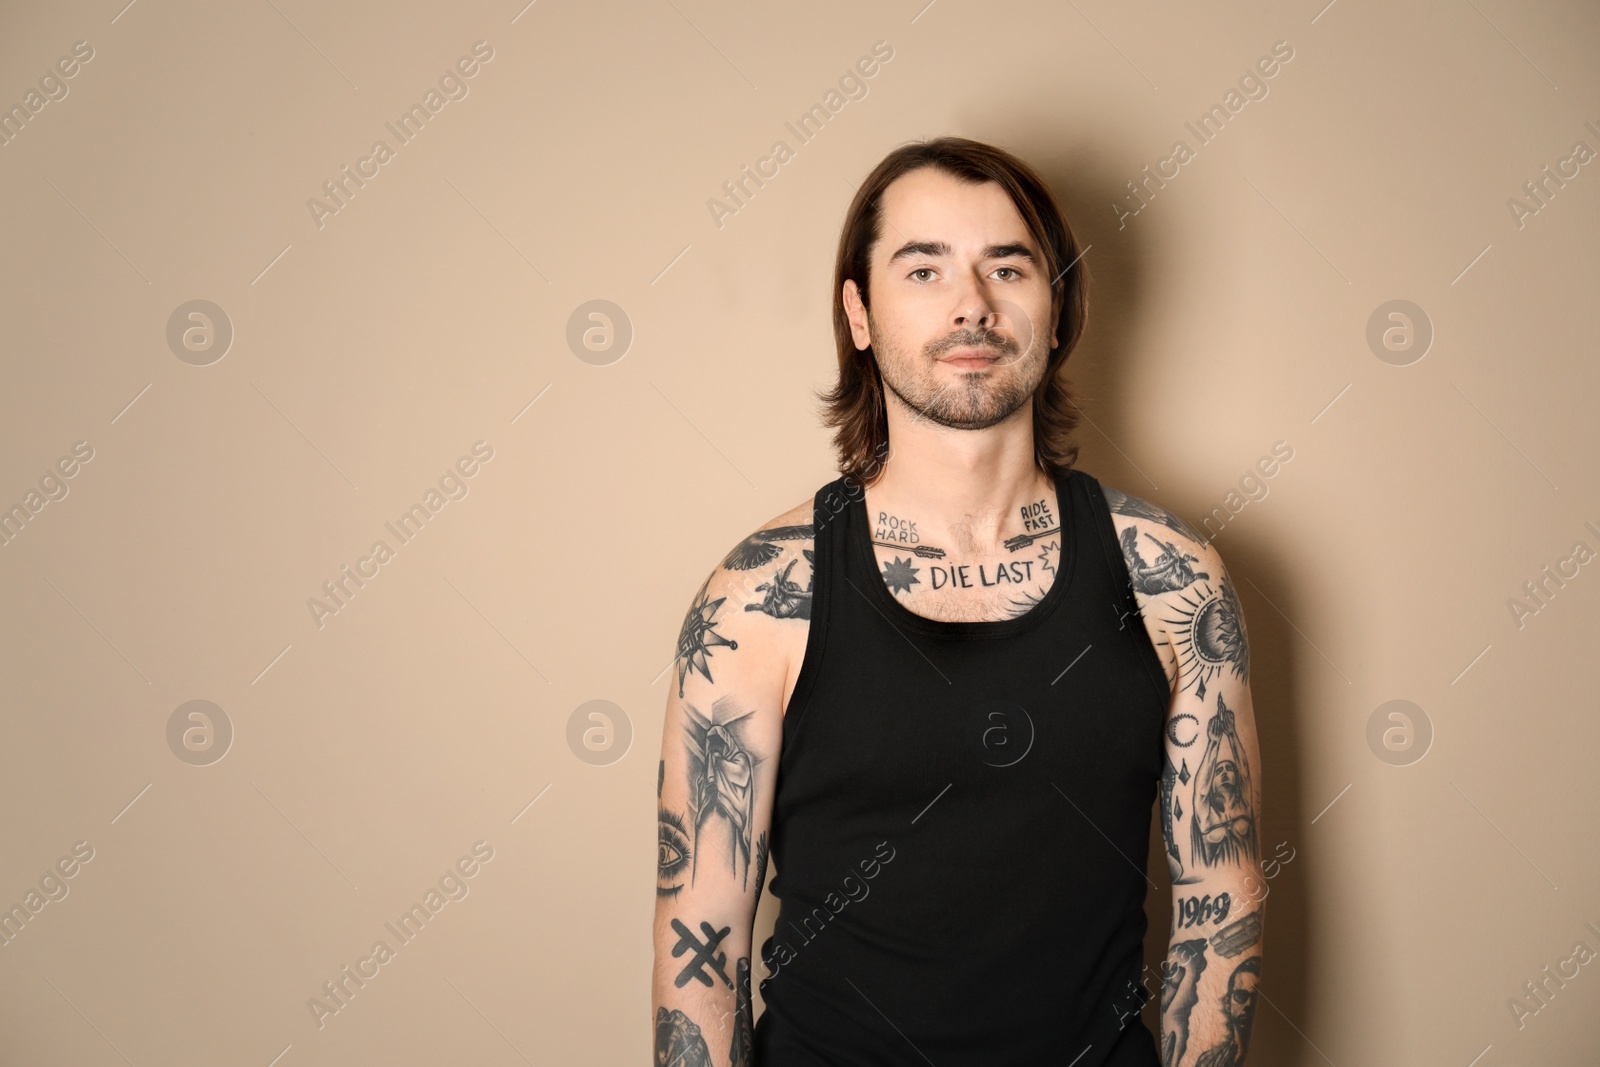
{"x": 973, "y": 339}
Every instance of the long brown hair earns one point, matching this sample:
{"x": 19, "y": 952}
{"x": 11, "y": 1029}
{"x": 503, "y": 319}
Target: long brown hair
{"x": 854, "y": 407}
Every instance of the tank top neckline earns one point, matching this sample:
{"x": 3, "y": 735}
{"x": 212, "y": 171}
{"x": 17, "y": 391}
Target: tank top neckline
{"x": 879, "y": 594}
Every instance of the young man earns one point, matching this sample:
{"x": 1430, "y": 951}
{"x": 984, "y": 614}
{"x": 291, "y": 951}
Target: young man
{"x": 942, "y": 695}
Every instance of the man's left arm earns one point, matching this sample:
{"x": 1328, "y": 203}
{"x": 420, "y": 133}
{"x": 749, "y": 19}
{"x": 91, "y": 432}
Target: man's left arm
{"x": 1210, "y": 790}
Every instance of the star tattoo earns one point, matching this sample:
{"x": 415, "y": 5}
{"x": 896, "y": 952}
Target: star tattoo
{"x": 697, "y": 638}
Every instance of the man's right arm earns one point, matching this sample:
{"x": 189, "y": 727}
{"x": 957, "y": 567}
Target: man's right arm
{"x": 716, "y": 782}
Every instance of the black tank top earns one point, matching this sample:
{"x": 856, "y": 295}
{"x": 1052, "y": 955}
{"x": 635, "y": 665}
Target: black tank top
{"x": 962, "y": 817}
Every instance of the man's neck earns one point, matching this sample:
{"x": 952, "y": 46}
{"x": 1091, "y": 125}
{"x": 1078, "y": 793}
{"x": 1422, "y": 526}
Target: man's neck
{"x": 966, "y": 490}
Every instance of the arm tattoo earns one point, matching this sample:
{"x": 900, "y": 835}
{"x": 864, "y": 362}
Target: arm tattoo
{"x": 785, "y": 599}
{"x": 678, "y": 1041}
{"x": 1169, "y": 570}
{"x": 1209, "y": 634}
{"x": 721, "y": 782}
{"x": 1239, "y": 1013}
{"x": 1131, "y": 506}
{"x": 761, "y": 864}
{"x": 741, "y": 1050}
{"x": 1223, "y": 827}
{"x": 673, "y": 853}
{"x": 1179, "y": 992}
{"x": 758, "y": 548}
{"x": 705, "y": 962}
{"x": 698, "y": 638}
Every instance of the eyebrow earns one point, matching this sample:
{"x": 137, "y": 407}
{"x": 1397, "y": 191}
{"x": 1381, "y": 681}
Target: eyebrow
{"x": 912, "y": 249}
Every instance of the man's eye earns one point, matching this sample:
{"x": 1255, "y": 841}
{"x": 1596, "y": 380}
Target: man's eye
{"x": 921, "y": 270}
{"x": 1013, "y": 270}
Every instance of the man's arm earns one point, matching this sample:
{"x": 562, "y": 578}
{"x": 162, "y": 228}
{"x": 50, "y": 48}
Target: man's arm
{"x": 716, "y": 782}
{"x": 1210, "y": 792}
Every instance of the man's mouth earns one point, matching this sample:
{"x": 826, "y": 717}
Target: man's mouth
{"x": 971, "y": 358}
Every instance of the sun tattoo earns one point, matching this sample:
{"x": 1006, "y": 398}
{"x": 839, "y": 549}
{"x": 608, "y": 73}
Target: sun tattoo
{"x": 1209, "y": 635}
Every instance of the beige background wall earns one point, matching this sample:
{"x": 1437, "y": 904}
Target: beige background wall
{"x": 369, "y": 353}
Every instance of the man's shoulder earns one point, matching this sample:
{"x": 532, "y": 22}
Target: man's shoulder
{"x": 763, "y": 577}
{"x": 780, "y": 537}
{"x": 1129, "y": 512}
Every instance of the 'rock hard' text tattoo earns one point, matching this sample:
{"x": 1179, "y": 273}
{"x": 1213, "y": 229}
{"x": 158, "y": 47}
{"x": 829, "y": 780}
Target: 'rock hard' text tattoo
{"x": 891, "y": 531}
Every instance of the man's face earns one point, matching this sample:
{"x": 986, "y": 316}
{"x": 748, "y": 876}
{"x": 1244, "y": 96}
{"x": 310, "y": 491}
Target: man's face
{"x": 1241, "y": 1003}
{"x": 961, "y": 316}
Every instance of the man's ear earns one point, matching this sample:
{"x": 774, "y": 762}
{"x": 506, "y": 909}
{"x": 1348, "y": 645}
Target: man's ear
{"x": 856, "y": 312}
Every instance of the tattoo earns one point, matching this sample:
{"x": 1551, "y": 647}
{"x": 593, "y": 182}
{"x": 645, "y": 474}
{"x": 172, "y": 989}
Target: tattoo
{"x": 1049, "y": 556}
{"x": 1199, "y": 911}
{"x": 958, "y": 575}
{"x": 900, "y": 575}
{"x": 1023, "y": 540}
{"x": 673, "y": 853}
{"x": 785, "y": 599}
{"x": 1180, "y": 991}
{"x": 678, "y": 1041}
{"x": 895, "y": 530}
{"x": 1244, "y": 933}
{"x": 706, "y": 957}
{"x": 1176, "y": 723}
{"x": 1015, "y": 609}
{"x": 758, "y": 548}
{"x": 1168, "y": 571}
{"x": 1209, "y": 635}
{"x": 1223, "y": 828}
{"x": 721, "y": 781}
{"x": 1133, "y": 507}
{"x": 761, "y": 864}
{"x": 697, "y": 638}
{"x": 741, "y": 1051}
{"x": 1036, "y": 517}
{"x": 1171, "y": 812}
{"x": 1239, "y": 1012}
{"x": 920, "y": 551}
{"x": 661, "y": 777}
